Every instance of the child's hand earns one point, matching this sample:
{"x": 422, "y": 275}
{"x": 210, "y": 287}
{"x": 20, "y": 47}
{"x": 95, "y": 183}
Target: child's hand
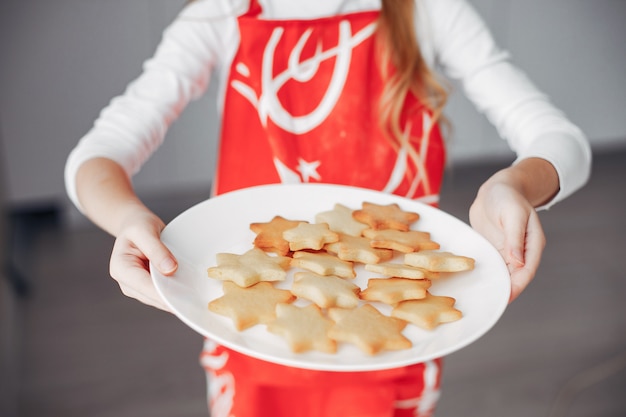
{"x": 505, "y": 216}
{"x": 137, "y": 244}
{"x": 108, "y": 199}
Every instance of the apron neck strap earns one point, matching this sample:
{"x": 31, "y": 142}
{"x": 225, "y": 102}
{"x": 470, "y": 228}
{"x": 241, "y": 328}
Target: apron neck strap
{"x": 254, "y": 9}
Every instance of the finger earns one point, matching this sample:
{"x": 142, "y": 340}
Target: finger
{"x": 137, "y": 282}
{"x": 158, "y": 254}
{"x": 519, "y": 281}
{"x": 534, "y": 245}
{"x": 514, "y": 228}
{"x": 535, "y": 242}
{"x": 128, "y": 267}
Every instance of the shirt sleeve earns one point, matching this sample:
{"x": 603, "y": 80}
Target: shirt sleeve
{"x": 521, "y": 113}
{"x": 134, "y": 124}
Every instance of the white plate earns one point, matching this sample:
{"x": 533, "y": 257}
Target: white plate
{"x": 221, "y": 224}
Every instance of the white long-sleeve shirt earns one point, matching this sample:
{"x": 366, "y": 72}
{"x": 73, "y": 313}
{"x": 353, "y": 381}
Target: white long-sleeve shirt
{"x": 198, "y": 47}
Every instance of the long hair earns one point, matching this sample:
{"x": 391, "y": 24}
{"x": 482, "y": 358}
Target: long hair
{"x": 404, "y": 69}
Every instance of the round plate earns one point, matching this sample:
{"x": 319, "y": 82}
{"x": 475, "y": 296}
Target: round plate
{"x": 221, "y": 224}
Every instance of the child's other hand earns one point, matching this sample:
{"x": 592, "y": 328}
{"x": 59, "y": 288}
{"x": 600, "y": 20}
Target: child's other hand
{"x": 137, "y": 244}
{"x": 509, "y": 221}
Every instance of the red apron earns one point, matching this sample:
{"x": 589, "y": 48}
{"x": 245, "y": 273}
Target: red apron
{"x": 301, "y": 105}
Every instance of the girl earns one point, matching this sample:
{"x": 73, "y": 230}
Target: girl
{"x": 337, "y": 92}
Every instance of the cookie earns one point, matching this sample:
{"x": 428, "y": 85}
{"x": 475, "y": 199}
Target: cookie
{"x": 393, "y": 290}
{"x": 439, "y": 261}
{"x": 368, "y": 329}
{"x": 429, "y": 312}
{"x": 325, "y": 291}
{"x": 390, "y": 216}
{"x": 250, "y": 306}
{"x": 406, "y": 242}
{"x": 249, "y": 268}
{"x": 358, "y": 249}
{"x": 340, "y": 220}
{"x": 304, "y": 328}
{"x": 309, "y": 236}
{"x": 323, "y": 263}
{"x": 398, "y": 270}
{"x": 269, "y": 235}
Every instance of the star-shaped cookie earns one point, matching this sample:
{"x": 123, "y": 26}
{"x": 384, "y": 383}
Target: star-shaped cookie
{"x": 325, "y": 291}
{"x": 323, "y": 264}
{"x": 398, "y": 270}
{"x": 406, "y": 242}
{"x": 269, "y": 235}
{"x": 249, "y": 306}
{"x": 304, "y": 328}
{"x": 389, "y": 216}
{"x": 249, "y": 268}
{"x": 309, "y": 236}
{"x": 368, "y": 329}
{"x": 439, "y": 261}
{"x": 393, "y": 290}
{"x": 358, "y": 249}
{"x": 429, "y": 312}
{"x": 340, "y": 220}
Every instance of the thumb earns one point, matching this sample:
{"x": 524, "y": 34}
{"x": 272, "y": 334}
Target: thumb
{"x": 158, "y": 254}
{"x": 167, "y": 264}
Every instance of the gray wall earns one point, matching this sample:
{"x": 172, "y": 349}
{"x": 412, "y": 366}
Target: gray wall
{"x": 61, "y": 61}
{"x": 575, "y": 50}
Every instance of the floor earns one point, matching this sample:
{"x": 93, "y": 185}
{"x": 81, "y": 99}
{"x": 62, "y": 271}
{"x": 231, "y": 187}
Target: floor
{"x": 76, "y": 347}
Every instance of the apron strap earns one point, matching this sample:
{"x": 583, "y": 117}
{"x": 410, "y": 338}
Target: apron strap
{"x": 254, "y": 9}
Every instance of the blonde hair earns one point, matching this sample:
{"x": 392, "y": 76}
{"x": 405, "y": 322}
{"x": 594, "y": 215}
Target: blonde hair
{"x": 404, "y": 69}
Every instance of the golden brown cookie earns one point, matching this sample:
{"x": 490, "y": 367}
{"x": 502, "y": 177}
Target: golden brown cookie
{"x": 325, "y": 291}
{"x": 429, "y": 312}
{"x": 340, "y": 220}
{"x": 249, "y": 306}
{"x": 358, "y": 249}
{"x": 393, "y": 290}
{"x": 304, "y": 328}
{"x": 368, "y": 329}
{"x": 439, "y": 261}
{"x": 389, "y": 216}
{"x": 249, "y": 268}
{"x": 406, "y": 242}
{"x": 323, "y": 263}
{"x": 309, "y": 236}
{"x": 398, "y": 270}
{"x": 269, "y": 235}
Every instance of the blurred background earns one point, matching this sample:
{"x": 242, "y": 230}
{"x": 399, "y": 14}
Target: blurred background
{"x": 72, "y": 345}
